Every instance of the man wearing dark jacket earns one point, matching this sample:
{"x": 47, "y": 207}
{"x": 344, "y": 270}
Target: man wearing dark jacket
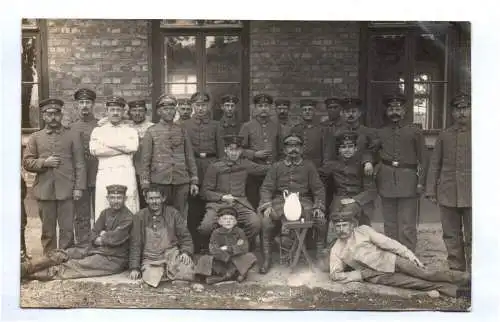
{"x": 105, "y": 254}
{"x": 161, "y": 245}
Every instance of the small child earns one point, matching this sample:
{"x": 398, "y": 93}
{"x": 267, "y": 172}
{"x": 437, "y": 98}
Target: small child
{"x": 229, "y": 256}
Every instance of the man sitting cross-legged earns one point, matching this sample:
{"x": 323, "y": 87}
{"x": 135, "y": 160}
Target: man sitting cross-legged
{"x": 379, "y": 259}
{"x": 229, "y": 256}
{"x": 106, "y": 254}
{"x": 161, "y": 245}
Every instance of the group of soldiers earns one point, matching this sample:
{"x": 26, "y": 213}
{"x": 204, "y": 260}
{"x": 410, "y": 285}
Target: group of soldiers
{"x": 175, "y": 188}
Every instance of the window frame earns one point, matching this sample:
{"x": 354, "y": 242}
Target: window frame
{"x": 411, "y": 30}
{"x": 40, "y": 32}
{"x": 159, "y": 32}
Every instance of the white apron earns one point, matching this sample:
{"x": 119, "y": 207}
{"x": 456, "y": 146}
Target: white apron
{"x": 115, "y": 169}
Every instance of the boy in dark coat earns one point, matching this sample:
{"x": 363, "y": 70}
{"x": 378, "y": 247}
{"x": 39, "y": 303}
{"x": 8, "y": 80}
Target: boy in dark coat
{"x": 229, "y": 256}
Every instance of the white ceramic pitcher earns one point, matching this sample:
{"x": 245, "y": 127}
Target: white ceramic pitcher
{"x": 292, "y": 207}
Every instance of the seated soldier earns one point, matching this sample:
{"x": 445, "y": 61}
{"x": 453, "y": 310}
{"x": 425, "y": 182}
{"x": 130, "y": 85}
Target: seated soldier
{"x": 379, "y": 259}
{"x": 224, "y": 185}
{"x": 229, "y": 255}
{"x": 106, "y": 254}
{"x": 351, "y": 184}
{"x": 161, "y": 245}
{"x": 295, "y": 175}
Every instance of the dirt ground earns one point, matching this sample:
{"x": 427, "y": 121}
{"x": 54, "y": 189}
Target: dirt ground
{"x": 279, "y": 289}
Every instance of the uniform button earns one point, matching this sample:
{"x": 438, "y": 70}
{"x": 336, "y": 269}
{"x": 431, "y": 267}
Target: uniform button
{"x": 154, "y": 226}
{"x": 265, "y": 140}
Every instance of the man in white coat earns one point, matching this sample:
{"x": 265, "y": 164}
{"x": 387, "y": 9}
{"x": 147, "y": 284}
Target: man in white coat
{"x": 114, "y": 145}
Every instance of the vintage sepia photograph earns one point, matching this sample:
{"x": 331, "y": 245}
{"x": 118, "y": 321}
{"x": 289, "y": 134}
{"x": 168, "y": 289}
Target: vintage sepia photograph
{"x": 246, "y": 164}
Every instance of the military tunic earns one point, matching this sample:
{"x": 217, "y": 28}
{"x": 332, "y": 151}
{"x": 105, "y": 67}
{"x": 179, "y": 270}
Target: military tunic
{"x": 85, "y": 206}
{"x": 314, "y": 141}
{"x": 141, "y": 130}
{"x": 168, "y": 160}
{"x": 53, "y": 187}
{"x": 228, "y": 177}
{"x": 229, "y": 126}
{"x": 449, "y": 179}
{"x": 100, "y": 260}
{"x": 401, "y": 155}
{"x": 260, "y": 135}
{"x": 300, "y": 177}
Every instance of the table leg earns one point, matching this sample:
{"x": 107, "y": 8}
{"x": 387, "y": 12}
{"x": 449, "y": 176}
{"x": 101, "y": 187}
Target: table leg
{"x": 300, "y": 234}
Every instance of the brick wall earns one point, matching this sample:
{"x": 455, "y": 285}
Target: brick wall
{"x": 298, "y": 59}
{"x": 110, "y": 56}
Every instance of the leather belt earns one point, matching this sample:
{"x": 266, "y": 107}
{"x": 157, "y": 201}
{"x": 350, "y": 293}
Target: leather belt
{"x": 397, "y": 164}
{"x": 205, "y": 155}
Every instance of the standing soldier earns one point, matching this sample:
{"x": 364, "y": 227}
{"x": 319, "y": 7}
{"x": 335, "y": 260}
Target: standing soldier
{"x": 449, "y": 184}
{"x": 208, "y": 146}
{"x": 56, "y": 155}
{"x": 168, "y": 159}
{"x": 261, "y": 142}
{"x": 399, "y": 181}
{"x": 184, "y": 109}
{"x": 283, "y": 112}
{"x": 84, "y": 208}
{"x": 295, "y": 175}
{"x": 114, "y": 145}
{"x": 333, "y": 106}
{"x": 137, "y": 111}
{"x": 229, "y": 123}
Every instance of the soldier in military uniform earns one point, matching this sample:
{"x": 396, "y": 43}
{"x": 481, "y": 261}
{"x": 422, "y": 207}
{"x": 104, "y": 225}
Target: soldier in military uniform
{"x": 351, "y": 184}
{"x": 208, "y": 146}
{"x": 449, "y": 184}
{"x": 137, "y": 112}
{"x": 184, "y": 109}
{"x": 398, "y": 179}
{"x": 295, "y": 175}
{"x": 224, "y": 185}
{"x": 84, "y": 208}
{"x": 168, "y": 158}
{"x": 283, "y": 115}
{"x": 261, "y": 137}
{"x": 333, "y": 106}
{"x": 56, "y": 155}
{"x": 229, "y": 123}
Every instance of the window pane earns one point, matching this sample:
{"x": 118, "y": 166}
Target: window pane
{"x": 181, "y": 90}
{"x": 428, "y": 102}
{"x": 28, "y": 59}
{"x": 181, "y": 65}
{"x": 216, "y": 92}
{"x": 223, "y": 58}
{"x": 30, "y": 116}
{"x": 430, "y": 56}
{"x": 387, "y": 57}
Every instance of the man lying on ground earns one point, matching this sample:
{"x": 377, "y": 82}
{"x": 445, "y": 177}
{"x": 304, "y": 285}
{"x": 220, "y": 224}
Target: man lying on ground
{"x": 161, "y": 245}
{"x": 229, "y": 255}
{"x": 379, "y": 259}
{"x": 106, "y": 253}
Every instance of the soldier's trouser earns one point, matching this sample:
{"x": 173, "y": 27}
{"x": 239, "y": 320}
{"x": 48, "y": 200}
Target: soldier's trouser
{"x": 408, "y": 282}
{"x": 177, "y": 196}
{"x": 253, "y": 189}
{"x": 247, "y": 219}
{"x": 53, "y": 212}
{"x": 196, "y": 212}
{"x": 24, "y": 222}
{"x": 400, "y": 220}
{"x": 404, "y": 266}
{"x": 83, "y": 208}
{"x": 457, "y": 236}
{"x": 142, "y": 200}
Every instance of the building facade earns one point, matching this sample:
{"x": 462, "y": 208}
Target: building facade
{"x": 428, "y": 61}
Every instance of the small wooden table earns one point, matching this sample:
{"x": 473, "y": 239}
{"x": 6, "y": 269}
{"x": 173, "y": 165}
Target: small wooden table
{"x": 299, "y": 231}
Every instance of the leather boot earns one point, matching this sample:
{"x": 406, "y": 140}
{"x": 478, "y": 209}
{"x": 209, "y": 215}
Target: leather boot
{"x": 231, "y": 271}
{"x": 266, "y": 254}
{"x": 53, "y": 258}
